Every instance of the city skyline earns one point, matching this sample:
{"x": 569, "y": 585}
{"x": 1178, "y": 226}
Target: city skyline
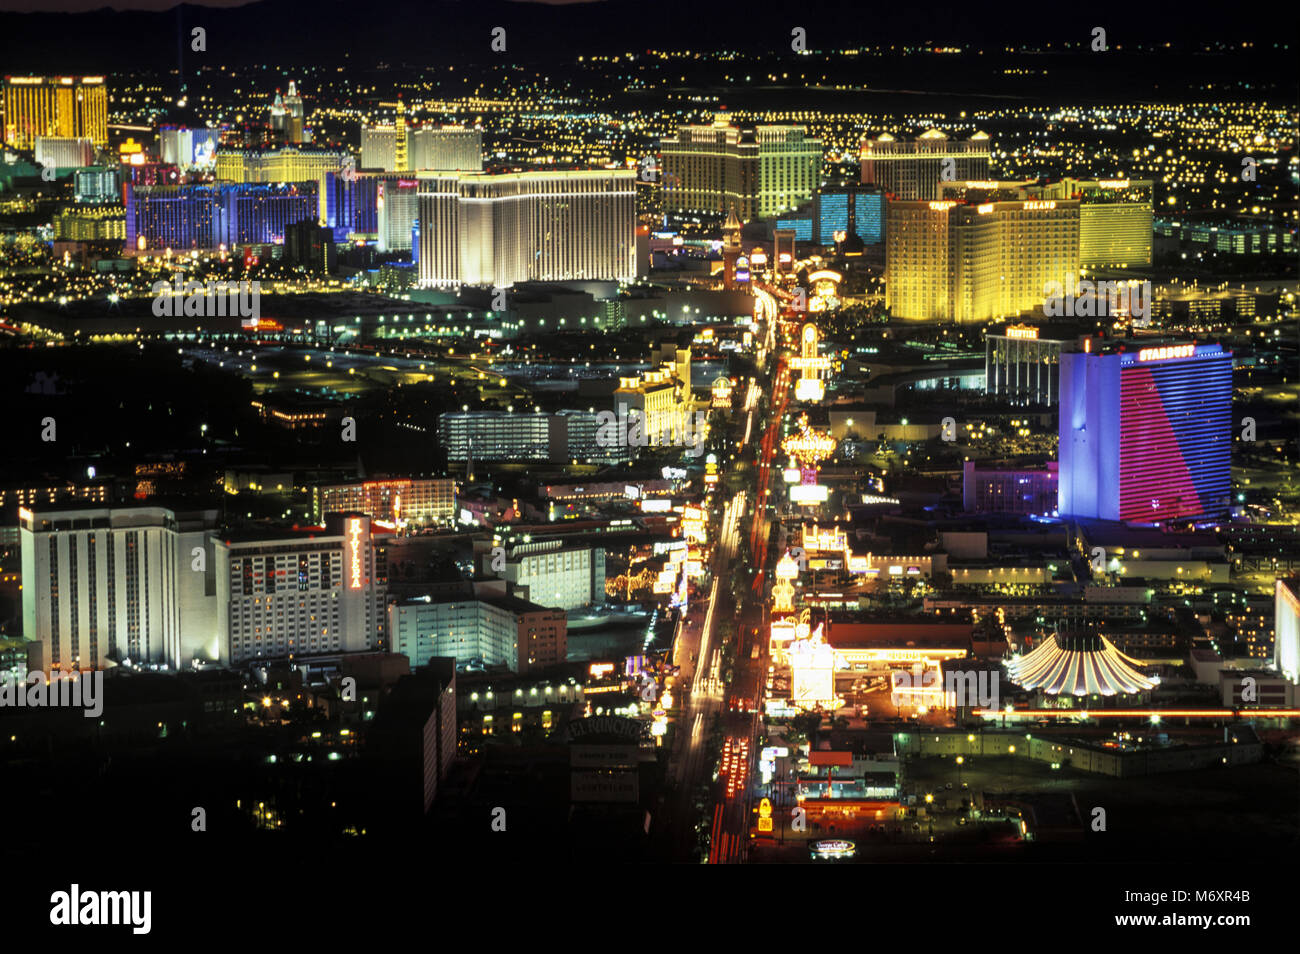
{"x": 600, "y": 435}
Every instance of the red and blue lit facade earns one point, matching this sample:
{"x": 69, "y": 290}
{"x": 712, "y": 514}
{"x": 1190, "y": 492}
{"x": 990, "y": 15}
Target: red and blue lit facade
{"x": 1146, "y": 434}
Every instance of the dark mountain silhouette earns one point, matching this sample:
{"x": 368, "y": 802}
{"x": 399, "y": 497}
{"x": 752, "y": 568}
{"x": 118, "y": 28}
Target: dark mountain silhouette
{"x": 429, "y": 32}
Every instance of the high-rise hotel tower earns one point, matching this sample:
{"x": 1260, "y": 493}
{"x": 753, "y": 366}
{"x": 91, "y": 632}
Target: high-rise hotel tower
{"x": 758, "y": 172}
{"x": 913, "y": 169}
{"x": 1146, "y": 433}
{"x": 1115, "y": 219}
{"x": 63, "y": 106}
{"x": 479, "y": 229}
{"x": 982, "y": 253}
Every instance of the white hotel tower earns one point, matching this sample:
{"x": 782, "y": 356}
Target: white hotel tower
{"x": 107, "y": 584}
{"x": 496, "y": 230}
{"x": 146, "y": 585}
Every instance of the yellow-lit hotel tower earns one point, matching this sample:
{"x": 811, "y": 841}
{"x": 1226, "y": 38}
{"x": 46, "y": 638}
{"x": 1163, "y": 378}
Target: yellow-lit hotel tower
{"x": 756, "y": 171}
{"x": 985, "y": 251}
{"x": 63, "y": 106}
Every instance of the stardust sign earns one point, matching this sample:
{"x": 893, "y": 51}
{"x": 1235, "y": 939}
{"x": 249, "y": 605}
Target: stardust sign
{"x": 354, "y": 554}
{"x": 1166, "y": 352}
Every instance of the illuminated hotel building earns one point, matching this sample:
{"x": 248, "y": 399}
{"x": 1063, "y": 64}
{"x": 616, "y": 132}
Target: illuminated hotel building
{"x": 853, "y": 210}
{"x": 912, "y": 169}
{"x": 659, "y": 398}
{"x": 1115, "y": 219}
{"x": 1286, "y": 629}
{"x": 496, "y": 230}
{"x": 64, "y": 152}
{"x": 379, "y": 148}
{"x": 1022, "y": 363}
{"x": 288, "y": 164}
{"x": 94, "y": 223}
{"x": 66, "y": 106}
{"x": 106, "y": 585}
{"x": 301, "y": 594}
{"x": 33, "y": 496}
{"x": 293, "y": 114}
{"x": 501, "y": 435}
{"x": 549, "y": 572}
{"x": 98, "y": 184}
{"x": 991, "y": 489}
{"x": 398, "y": 206}
{"x": 431, "y": 148}
{"x": 1146, "y": 434}
{"x": 497, "y": 629}
{"x": 966, "y": 260}
{"x": 414, "y": 501}
{"x": 758, "y": 171}
{"x": 446, "y": 149}
{"x": 208, "y": 216}
{"x": 188, "y": 148}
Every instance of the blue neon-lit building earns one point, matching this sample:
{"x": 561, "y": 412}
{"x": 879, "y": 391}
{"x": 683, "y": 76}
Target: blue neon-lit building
{"x": 853, "y": 209}
{"x": 1146, "y": 434}
{"x": 209, "y": 216}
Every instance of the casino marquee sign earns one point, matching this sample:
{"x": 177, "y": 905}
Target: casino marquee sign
{"x": 606, "y": 729}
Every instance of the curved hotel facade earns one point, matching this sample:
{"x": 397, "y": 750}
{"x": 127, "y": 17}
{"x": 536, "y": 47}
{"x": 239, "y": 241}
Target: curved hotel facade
{"x": 496, "y": 230}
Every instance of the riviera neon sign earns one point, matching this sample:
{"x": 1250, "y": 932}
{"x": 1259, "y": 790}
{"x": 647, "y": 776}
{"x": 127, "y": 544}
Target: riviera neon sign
{"x": 354, "y": 554}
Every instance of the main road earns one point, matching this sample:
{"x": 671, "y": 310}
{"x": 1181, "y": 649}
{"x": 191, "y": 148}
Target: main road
{"x": 710, "y": 628}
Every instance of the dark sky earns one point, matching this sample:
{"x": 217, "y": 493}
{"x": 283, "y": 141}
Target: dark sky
{"x": 77, "y": 6}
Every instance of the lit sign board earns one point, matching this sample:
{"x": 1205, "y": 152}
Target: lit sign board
{"x": 834, "y": 849}
{"x": 1026, "y": 332}
{"x": 792, "y": 475}
{"x": 857, "y": 564}
{"x": 809, "y": 389}
{"x": 354, "y": 554}
{"x": 942, "y": 206}
{"x": 1166, "y": 352}
{"x": 662, "y": 505}
{"x": 809, "y": 494}
{"x": 1113, "y": 183}
{"x": 1039, "y": 206}
{"x": 985, "y": 209}
{"x": 600, "y": 670}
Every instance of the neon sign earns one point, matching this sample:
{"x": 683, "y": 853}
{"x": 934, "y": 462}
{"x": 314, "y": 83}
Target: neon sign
{"x": 1166, "y": 352}
{"x": 1022, "y": 331}
{"x": 1039, "y": 206}
{"x": 354, "y": 554}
